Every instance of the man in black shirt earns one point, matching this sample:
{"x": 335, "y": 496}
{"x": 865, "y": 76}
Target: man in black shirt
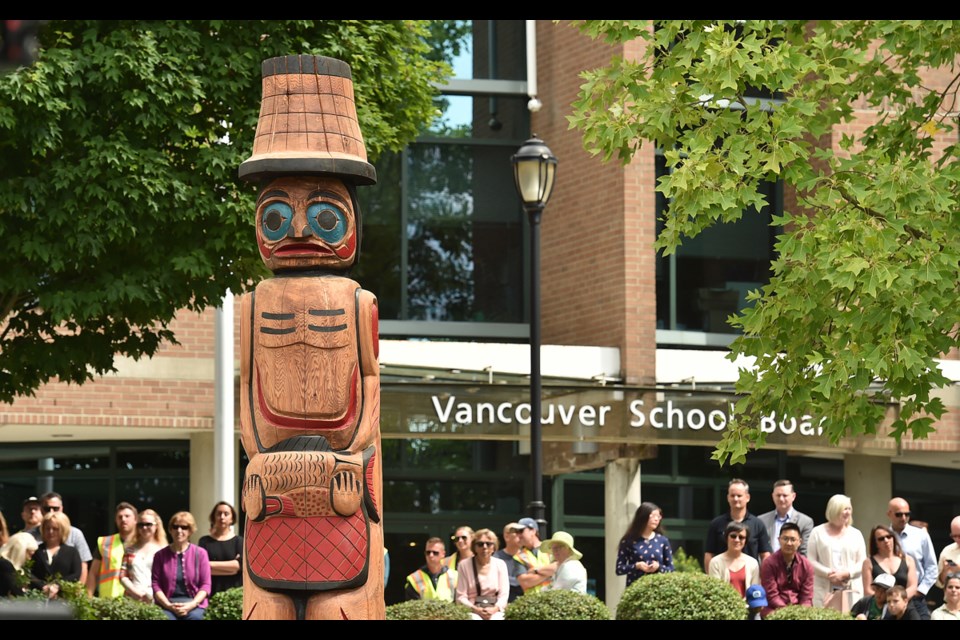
{"x": 758, "y": 542}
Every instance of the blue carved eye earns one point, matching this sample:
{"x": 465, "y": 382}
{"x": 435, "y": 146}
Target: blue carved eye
{"x": 275, "y": 221}
{"x": 327, "y": 221}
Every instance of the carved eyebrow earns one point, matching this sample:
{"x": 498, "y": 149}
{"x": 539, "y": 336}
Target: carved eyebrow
{"x": 273, "y": 193}
{"x": 330, "y": 195}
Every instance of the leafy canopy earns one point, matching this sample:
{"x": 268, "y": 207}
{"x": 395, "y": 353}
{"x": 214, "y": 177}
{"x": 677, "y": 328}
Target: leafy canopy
{"x": 863, "y": 296}
{"x": 119, "y": 149}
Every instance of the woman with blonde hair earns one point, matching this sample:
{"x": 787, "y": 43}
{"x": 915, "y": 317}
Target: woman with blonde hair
{"x": 54, "y": 556}
{"x": 483, "y": 582}
{"x": 837, "y": 551}
{"x": 13, "y": 555}
{"x": 181, "y": 572}
{"x": 136, "y": 574}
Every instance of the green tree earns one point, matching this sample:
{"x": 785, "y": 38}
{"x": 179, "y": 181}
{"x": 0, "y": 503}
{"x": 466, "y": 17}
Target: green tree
{"x": 119, "y": 149}
{"x": 863, "y": 296}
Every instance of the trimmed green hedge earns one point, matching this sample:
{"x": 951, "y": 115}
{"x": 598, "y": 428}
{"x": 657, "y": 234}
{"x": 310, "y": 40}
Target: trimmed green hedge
{"x": 226, "y": 605}
{"x": 800, "y": 612}
{"x": 427, "y": 610}
{"x": 557, "y": 604}
{"x": 681, "y": 596}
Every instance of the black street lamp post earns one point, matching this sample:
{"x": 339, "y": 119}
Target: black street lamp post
{"x": 534, "y": 168}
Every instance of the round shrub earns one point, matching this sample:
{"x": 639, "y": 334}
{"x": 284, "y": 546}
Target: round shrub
{"x": 800, "y": 612}
{"x": 427, "y": 610}
{"x": 226, "y": 605}
{"x": 557, "y": 604}
{"x": 681, "y": 596}
{"x": 125, "y": 609}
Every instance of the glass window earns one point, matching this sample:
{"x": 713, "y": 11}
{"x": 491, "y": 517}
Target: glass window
{"x": 443, "y": 235}
{"x": 490, "y": 49}
{"x": 707, "y": 279}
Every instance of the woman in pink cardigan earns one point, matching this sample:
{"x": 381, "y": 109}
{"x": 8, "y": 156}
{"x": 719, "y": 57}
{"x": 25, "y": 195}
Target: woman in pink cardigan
{"x": 181, "y": 572}
{"x": 483, "y": 583}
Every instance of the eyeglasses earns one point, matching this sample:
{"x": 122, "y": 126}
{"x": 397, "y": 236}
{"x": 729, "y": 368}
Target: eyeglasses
{"x": 146, "y": 525}
{"x": 884, "y": 538}
{"x": 459, "y": 537}
{"x": 484, "y": 543}
{"x": 902, "y": 514}
{"x": 433, "y": 553}
{"x": 49, "y": 509}
{"x": 735, "y": 536}
{"x": 184, "y": 527}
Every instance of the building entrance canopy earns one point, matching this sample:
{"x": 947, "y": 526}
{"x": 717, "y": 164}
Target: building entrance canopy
{"x": 600, "y": 414}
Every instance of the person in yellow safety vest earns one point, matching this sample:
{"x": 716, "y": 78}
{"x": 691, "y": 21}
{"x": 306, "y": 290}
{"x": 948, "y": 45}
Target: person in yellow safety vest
{"x": 463, "y": 540}
{"x": 103, "y": 579}
{"x": 539, "y": 564}
{"x": 434, "y": 580}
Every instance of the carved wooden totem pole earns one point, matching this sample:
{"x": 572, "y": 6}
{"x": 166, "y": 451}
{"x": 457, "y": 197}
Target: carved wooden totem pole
{"x": 309, "y": 374}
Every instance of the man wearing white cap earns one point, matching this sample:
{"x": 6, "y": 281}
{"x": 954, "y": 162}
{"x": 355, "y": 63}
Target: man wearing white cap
{"x": 570, "y": 573}
{"x": 533, "y": 557}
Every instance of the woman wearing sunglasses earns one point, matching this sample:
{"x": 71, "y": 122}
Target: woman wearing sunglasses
{"x": 483, "y": 582}
{"x": 181, "y": 572}
{"x": 136, "y": 574}
{"x": 733, "y": 565}
{"x": 887, "y": 556}
{"x": 463, "y": 543}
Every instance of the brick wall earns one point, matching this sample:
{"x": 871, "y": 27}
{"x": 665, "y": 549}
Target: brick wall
{"x": 597, "y": 263}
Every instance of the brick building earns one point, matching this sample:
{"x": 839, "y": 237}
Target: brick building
{"x": 635, "y": 375}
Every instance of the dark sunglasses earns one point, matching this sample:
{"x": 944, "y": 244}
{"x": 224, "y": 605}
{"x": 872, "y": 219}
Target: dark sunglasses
{"x": 903, "y": 514}
{"x": 185, "y": 527}
{"x": 49, "y": 509}
{"x": 146, "y": 525}
{"x": 884, "y": 538}
{"x": 485, "y": 543}
{"x": 433, "y": 553}
{"x": 738, "y": 536}
{"x": 459, "y": 537}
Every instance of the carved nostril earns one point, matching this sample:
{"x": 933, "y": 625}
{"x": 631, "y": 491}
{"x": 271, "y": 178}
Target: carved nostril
{"x": 306, "y": 232}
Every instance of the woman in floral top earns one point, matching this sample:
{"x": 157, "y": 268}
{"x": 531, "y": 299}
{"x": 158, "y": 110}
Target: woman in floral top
{"x": 644, "y": 549}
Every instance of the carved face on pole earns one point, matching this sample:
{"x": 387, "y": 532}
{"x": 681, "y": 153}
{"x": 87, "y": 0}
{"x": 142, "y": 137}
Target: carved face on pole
{"x": 306, "y": 222}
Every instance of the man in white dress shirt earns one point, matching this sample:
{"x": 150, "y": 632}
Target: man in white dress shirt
{"x": 915, "y": 541}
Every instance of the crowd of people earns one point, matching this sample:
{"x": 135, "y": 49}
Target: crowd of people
{"x": 780, "y": 558}
{"x": 486, "y": 578}
{"x": 142, "y": 560}
{"x": 777, "y": 559}
{"x": 773, "y": 560}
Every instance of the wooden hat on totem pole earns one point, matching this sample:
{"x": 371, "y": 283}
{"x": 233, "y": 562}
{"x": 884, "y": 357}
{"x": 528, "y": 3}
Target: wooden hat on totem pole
{"x": 308, "y": 122}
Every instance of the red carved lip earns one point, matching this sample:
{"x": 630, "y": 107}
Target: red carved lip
{"x": 294, "y": 249}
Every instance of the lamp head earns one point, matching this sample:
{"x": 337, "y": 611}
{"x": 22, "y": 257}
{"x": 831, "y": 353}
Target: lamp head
{"x": 534, "y": 169}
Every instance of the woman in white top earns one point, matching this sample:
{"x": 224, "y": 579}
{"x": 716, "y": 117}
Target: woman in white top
{"x": 483, "y": 582}
{"x": 733, "y": 565}
{"x": 136, "y": 575}
{"x": 569, "y": 573}
{"x": 837, "y": 551}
